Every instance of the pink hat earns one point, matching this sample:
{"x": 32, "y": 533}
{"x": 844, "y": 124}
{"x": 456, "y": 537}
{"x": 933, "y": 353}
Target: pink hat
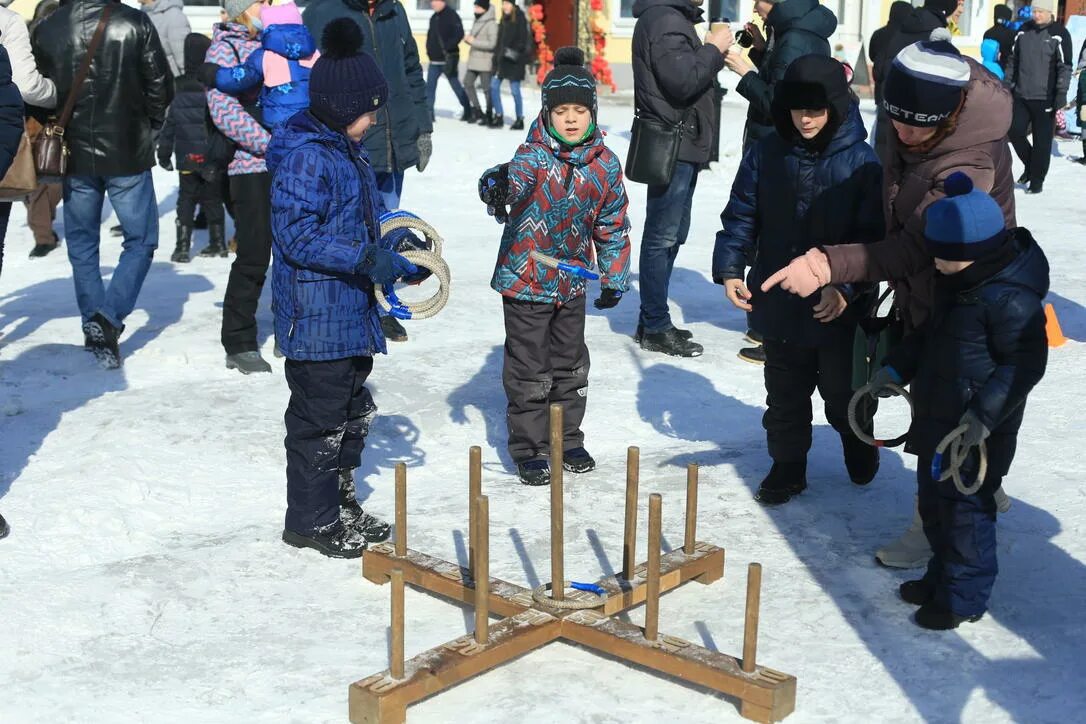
{"x": 285, "y": 14}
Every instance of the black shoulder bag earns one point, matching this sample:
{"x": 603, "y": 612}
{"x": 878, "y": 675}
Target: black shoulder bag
{"x": 654, "y": 149}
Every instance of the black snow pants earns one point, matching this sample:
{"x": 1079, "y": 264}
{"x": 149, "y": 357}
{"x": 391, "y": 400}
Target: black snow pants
{"x": 327, "y": 420}
{"x": 1035, "y": 157}
{"x": 194, "y": 189}
{"x": 546, "y": 361}
{"x": 252, "y": 210}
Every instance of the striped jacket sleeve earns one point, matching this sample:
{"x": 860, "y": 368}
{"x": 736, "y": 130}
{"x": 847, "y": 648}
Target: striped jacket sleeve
{"x": 227, "y": 113}
{"x": 611, "y": 233}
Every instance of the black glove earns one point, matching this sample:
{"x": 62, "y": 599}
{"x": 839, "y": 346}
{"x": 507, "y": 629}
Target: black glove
{"x": 384, "y": 266}
{"x": 165, "y": 163}
{"x": 494, "y": 191}
{"x": 452, "y": 63}
{"x": 206, "y": 74}
{"x": 608, "y": 298}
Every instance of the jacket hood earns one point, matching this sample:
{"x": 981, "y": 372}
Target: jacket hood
{"x": 1029, "y": 269}
{"x": 806, "y": 15}
{"x": 165, "y": 6}
{"x": 687, "y": 8}
{"x": 898, "y": 12}
{"x": 989, "y": 50}
{"x": 290, "y": 41}
{"x": 230, "y": 31}
{"x": 812, "y": 81}
{"x": 196, "y": 45}
{"x": 303, "y": 128}
{"x": 922, "y": 20}
{"x": 577, "y": 155}
{"x": 490, "y": 14}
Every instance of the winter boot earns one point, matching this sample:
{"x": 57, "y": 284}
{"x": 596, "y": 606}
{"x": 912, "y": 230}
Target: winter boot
{"x": 518, "y": 125}
{"x": 334, "y": 540}
{"x": 217, "y": 241}
{"x": 682, "y": 333}
{"x": 934, "y": 617}
{"x": 753, "y": 337}
{"x": 861, "y": 459}
{"x": 670, "y": 342}
{"x": 484, "y": 119}
{"x": 578, "y": 460}
{"x": 754, "y": 355}
{"x": 103, "y": 338}
{"x": 468, "y": 115}
{"x": 1003, "y": 503}
{"x": 784, "y": 481}
{"x": 1035, "y": 187}
{"x": 184, "y": 244}
{"x": 393, "y": 330}
{"x": 918, "y": 592}
{"x": 909, "y": 551}
{"x": 534, "y": 472}
{"x": 41, "y": 250}
{"x": 373, "y": 529}
{"x": 4, "y": 527}
{"x": 1023, "y": 179}
{"x": 116, "y": 230}
{"x": 247, "y": 362}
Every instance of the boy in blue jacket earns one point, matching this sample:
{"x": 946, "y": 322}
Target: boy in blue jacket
{"x": 973, "y": 365}
{"x": 811, "y": 183}
{"x": 328, "y": 255}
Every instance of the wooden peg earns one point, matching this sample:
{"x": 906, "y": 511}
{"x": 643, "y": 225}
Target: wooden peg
{"x": 750, "y": 625}
{"x": 401, "y": 509}
{"x": 691, "y": 508}
{"x": 558, "y": 585}
{"x": 482, "y": 570}
{"x": 475, "y": 489}
{"x": 395, "y": 664}
{"x": 652, "y": 592}
{"x": 629, "y": 536}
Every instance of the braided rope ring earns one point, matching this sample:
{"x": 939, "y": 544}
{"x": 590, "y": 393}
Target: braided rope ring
{"x": 539, "y": 595}
{"x": 852, "y": 422}
{"x": 957, "y": 460}
{"x": 428, "y": 259}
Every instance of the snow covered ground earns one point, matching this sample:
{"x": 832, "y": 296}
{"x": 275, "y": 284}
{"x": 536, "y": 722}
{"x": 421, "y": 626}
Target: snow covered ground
{"x": 144, "y": 579}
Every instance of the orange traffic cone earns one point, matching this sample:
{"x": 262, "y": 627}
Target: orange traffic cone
{"x": 1052, "y": 328}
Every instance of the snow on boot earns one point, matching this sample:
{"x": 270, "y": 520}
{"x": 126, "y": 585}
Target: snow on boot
{"x": 370, "y": 527}
{"x": 534, "y": 472}
{"x": 4, "y": 527}
{"x": 784, "y": 481}
{"x": 861, "y": 459}
{"x": 334, "y": 540}
{"x": 918, "y": 592}
{"x": 910, "y": 550}
{"x": 1002, "y": 501}
{"x": 518, "y": 125}
{"x": 934, "y": 617}
{"x": 181, "y": 252}
{"x": 670, "y": 342}
{"x": 578, "y": 460}
{"x": 247, "y": 363}
{"x": 103, "y": 338}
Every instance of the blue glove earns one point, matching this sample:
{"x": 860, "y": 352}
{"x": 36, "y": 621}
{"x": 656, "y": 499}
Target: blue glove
{"x": 608, "y": 298}
{"x": 384, "y": 266}
{"x": 494, "y": 190}
{"x": 976, "y": 432}
{"x": 881, "y": 381}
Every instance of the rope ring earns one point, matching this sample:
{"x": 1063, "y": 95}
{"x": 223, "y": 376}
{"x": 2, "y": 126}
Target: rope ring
{"x": 427, "y": 259}
{"x": 539, "y": 595}
{"x": 863, "y": 436}
{"x": 957, "y": 460}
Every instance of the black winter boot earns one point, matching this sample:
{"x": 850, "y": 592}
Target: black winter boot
{"x": 934, "y": 617}
{"x": 373, "y": 529}
{"x": 103, "y": 338}
{"x": 334, "y": 540}
{"x": 484, "y": 119}
{"x": 496, "y": 121}
{"x": 861, "y": 459}
{"x": 578, "y": 460}
{"x": 518, "y": 125}
{"x": 217, "y": 242}
{"x": 1024, "y": 178}
{"x": 918, "y": 592}
{"x": 181, "y": 252}
{"x": 670, "y": 342}
{"x": 468, "y": 115}
{"x": 681, "y": 333}
{"x": 534, "y": 472}
{"x": 4, "y": 528}
{"x": 784, "y": 481}
{"x": 753, "y": 355}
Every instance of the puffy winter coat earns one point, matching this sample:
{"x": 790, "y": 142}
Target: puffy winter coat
{"x": 787, "y": 199}
{"x": 444, "y": 35}
{"x": 11, "y": 115}
{"x": 989, "y": 54}
{"x": 230, "y": 46}
{"x": 186, "y": 129}
{"x": 126, "y": 94}
{"x": 325, "y": 211}
{"x": 674, "y": 72}
{"x": 881, "y": 38}
{"x": 800, "y": 27}
{"x": 567, "y": 203}
{"x": 915, "y": 27}
{"x": 983, "y": 350}
{"x": 173, "y": 27}
{"x": 392, "y": 142}
{"x": 37, "y": 90}
{"x": 1002, "y": 34}
{"x": 913, "y": 181}
{"x": 515, "y": 46}
{"x": 485, "y": 32}
{"x": 281, "y": 65}
{"x": 1040, "y": 65}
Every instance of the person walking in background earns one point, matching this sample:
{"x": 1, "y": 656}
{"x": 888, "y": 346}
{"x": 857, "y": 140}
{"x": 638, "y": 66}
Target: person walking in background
{"x": 1002, "y": 33}
{"x": 443, "y": 50}
{"x": 110, "y": 137}
{"x": 168, "y": 17}
{"x": 185, "y": 136}
{"x": 250, "y": 188}
{"x": 673, "y": 84}
{"x": 401, "y": 136}
{"x": 482, "y": 39}
{"x": 511, "y": 56}
{"x": 880, "y": 40}
{"x": 1039, "y": 73}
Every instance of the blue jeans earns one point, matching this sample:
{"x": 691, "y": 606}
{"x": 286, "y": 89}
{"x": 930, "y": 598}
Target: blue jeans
{"x": 133, "y": 199}
{"x": 434, "y": 71}
{"x": 390, "y": 186}
{"x": 496, "y": 96}
{"x": 667, "y": 223}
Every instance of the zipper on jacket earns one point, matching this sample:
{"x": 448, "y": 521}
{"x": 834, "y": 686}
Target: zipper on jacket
{"x": 388, "y": 116}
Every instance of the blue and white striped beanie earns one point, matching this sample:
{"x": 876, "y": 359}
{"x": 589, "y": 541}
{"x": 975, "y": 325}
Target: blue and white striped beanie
{"x": 569, "y": 82}
{"x": 925, "y": 83}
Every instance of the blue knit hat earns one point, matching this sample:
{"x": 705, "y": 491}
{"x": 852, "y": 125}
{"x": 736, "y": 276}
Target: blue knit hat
{"x": 345, "y": 82}
{"x": 965, "y": 225}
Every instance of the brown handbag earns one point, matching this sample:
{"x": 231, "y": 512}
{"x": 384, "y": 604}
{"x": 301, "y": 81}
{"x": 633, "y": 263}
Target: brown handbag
{"x": 20, "y": 180}
{"x": 50, "y": 148}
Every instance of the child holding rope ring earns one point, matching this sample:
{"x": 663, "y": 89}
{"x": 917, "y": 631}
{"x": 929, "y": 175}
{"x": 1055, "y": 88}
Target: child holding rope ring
{"x": 971, "y": 368}
{"x": 566, "y": 203}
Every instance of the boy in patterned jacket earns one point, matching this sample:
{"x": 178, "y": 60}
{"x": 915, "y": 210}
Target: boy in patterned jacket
{"x": 566, "y": 200}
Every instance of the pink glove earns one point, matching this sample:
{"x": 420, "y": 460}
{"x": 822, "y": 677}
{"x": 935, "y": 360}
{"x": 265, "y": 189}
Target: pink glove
{"x": 804, "y": 276}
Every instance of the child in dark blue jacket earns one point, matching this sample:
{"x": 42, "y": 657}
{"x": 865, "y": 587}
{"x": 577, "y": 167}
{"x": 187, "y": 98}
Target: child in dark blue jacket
{"x": 814, "y": 182}
{"x": 328, "y": 255}
{"x": 973, "y": 364}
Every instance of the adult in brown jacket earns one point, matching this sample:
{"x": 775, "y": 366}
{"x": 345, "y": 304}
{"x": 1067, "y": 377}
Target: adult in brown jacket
{"x": 949, "y": 114}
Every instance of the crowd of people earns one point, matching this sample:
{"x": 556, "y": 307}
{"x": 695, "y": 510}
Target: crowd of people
{"x": 315, "y": 120}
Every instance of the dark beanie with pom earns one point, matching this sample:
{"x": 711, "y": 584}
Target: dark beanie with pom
{"x": 569, "y": 82}
{"x": 965, "y": 225}
{"x": 345, "y": 82}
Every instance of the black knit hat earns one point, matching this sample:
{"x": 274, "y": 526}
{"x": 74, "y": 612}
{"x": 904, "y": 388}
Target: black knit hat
{"x": 925, "y": 82}
{"x": 484, "y": 4}
{"x": 942, "y": 8}
{"x": 569, "y": 82}
{"x": 345, "y": 82}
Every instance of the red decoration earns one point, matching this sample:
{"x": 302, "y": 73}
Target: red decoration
{"x": 600, "y": 67}
{"x": 543, "y": 51}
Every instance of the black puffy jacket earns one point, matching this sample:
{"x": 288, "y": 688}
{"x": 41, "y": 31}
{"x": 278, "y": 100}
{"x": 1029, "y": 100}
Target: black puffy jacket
{"x": 515, "y": 46}
{"x": 674, "y": 71}
{"x": 786, "y": 200}
{"x": 983, "y": 350}
{"x": 127, "y": 92}
{"x": 11, "y": 115}
{"x": 916, "y": 27}
{"x": 188, "y": 120}
{"x": 444, "y": 36}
